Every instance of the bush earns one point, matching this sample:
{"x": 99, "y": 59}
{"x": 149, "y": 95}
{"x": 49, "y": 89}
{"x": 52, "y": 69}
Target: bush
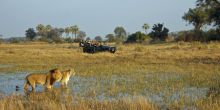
{"x": 68, "y": 40}
{"x": 213, "y": 35}
{"x": 77, "y": 40}
{"x": 189, "y": 36}
{"x": 17, "y": 40}
{"x": 1, "y": 40}
{"x": 137, "y": 37}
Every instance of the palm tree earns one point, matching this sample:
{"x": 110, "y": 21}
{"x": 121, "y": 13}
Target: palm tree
{"x": 48, "y": 28}
{"x": 67, "y": 31}
{"x": 74, "y": 30}
{"x": 145, "y": 27}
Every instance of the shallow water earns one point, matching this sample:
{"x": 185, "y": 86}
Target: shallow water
{"x": 100, "y": 88}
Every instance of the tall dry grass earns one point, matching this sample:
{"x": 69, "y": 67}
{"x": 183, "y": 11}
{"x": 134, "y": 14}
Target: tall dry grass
{"x": 56, "y": 101}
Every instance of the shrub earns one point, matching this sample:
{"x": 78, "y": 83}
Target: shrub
{"x": 213, "y": 35}
{"x": 137, "y": 37}
{"x": 191, "y": 35}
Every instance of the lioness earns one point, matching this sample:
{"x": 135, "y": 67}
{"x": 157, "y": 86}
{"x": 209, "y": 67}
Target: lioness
{"x": 44, "y": 79}
{"x": 66, "y": 76}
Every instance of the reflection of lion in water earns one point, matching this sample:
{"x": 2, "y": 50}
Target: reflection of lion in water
{"x": 44, "y": 79}
{"x": 66, "y": 76}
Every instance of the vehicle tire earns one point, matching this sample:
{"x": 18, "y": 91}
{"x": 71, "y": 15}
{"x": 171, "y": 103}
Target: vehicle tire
{"x": 112, "y": 49}
{"x": 84, "y": 50}
{"x": 93, "y": 50}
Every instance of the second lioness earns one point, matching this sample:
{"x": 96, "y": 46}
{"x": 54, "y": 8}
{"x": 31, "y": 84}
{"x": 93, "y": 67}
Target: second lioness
{"x": 66, "y": 77}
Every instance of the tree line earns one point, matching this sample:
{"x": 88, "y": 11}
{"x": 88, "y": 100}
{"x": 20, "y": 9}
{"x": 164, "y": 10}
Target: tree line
{"x": 74, "y": 34}
{"x": 51, "y": 34}
{"x": 205, "y": 14}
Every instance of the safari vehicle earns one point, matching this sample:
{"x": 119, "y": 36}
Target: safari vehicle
{"x": 95, "y": 47}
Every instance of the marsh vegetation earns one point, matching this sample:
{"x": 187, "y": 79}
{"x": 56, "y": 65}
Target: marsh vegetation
{"x": 159, "y": 76}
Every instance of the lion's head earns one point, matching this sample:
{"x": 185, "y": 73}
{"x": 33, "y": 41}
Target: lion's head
{"x": 70, "y": 72}
{"x": 56, "y": 74}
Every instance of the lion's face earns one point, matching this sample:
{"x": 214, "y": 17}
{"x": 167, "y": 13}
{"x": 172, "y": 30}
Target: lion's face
{"x": 68, "y": 73}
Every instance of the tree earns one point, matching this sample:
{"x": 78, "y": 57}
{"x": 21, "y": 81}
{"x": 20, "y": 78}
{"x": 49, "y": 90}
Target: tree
{"x": 81, "y": 35}
{"x": 54, "y": 35}
{"x": 30, "y": 33}
{"x": 98, "y": 38}
{"x": 74, "y": 30}
{"x": 145, "y": 27}
{"x": 61, "y": 31}
{"x": 40, "y": 30}
{"x": 159, "y": 32}
{"x": 137, "y": 37}
{"x": 88, "y": 39}
{"x": 120, "y": 33}
{"x": 197, "y": 17}
{"x": 48, "y": 28}
{"x": 212, "y": 8}
{"x": 67, "y": 31}
{"x": 1, "y": 38}
{"x": 110, "y": 37}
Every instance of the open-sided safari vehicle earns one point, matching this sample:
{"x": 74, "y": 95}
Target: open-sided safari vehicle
{"x": 95, "y": 47}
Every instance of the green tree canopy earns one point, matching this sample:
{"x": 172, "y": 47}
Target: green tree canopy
{"x": 137, "y": 37}
{"x": 197, "y": 17}
{"x": 81, "y": 35}
{"x": 110, "y": 37}
{"x": 74, "y": 30}
{"x": 120, "y": 33}
{"x": 30, "y": 33}
{"x": 67, "y": 31}
{"x": 40, "y": 30}
{"x": 98, "y": 38}
{"x": 159, "y": 32}
{"x": 212, "y": 8}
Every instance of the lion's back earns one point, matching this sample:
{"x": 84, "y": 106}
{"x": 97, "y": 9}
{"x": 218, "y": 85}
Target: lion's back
{"x": 37, "y": 78}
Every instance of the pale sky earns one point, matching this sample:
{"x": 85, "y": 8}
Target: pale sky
{"x": 95, "y": 17}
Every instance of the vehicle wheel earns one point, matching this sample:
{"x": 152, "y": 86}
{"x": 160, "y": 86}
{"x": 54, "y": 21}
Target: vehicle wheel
{"x": 93, "y": 50}
{"x": 112, "y": 49}
{"x": 84, "y": 50}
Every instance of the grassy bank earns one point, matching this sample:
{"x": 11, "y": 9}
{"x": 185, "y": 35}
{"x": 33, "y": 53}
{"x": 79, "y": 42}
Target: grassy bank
{"x": 52, "y": 101}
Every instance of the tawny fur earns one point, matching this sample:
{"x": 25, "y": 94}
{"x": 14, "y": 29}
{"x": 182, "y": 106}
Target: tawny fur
{"x": 66, "y": 77}
{"x": 43, "y": 79}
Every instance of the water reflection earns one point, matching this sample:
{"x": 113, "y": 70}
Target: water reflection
{"x": 103, "y": 88}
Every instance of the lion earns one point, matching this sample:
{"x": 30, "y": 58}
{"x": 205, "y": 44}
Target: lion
{"x": 43, "y": 79}
{"x": 66, "y": 77}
